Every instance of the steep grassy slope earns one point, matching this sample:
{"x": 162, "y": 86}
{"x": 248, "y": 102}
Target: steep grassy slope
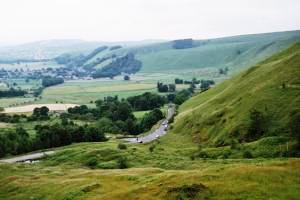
{"x": 222, "y": 113}
{"x": 233, "y": 52}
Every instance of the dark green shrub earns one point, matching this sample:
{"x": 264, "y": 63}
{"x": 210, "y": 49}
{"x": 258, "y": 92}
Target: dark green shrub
{"x": 122, "y": 146}
{"x": 247, "y": 154}
{"x": 122, "y": 163}
{"x": 92, "y": 162}
{"x": 151, "y": 148}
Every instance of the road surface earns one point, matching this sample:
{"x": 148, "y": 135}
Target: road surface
{"x": 158, "y": 132}
{"x": 30, "y": 157}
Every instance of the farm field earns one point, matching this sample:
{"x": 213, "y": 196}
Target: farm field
{"x": 30, "y": 108}
{"x": 86, "y": 91}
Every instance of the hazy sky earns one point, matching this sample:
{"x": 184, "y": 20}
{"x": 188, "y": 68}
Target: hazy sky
{"x": 115, "y": 20}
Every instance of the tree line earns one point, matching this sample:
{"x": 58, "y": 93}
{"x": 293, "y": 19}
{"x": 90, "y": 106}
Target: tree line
{"x": 12, "y": 93}
{"x": 48, "y": 81}
{"x": 13, "y": 142}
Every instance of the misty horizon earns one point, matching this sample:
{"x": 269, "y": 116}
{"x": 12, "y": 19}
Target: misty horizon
{"x": 136, "y": 20}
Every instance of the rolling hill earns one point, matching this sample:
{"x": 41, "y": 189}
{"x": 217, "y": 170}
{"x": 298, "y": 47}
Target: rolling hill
{"x": 270, "y": 89}
{"x": 234, "y": 52}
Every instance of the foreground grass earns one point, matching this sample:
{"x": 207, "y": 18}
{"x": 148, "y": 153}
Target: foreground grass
{"x": 273, "y": 179}
{"x": 167, "y": 172}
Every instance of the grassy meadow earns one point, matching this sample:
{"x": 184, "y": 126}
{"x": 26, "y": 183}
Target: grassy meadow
{"x": 167, "y": 172}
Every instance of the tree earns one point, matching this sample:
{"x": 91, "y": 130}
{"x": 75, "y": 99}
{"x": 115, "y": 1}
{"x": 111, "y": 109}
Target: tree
{"x": 257, "y": 125}
{"x": 178, "y": 81}
{"x": 295, "y": 126}
{"x": 44, "y": 111}
{"x": 126, "y": 78}
{"x": 172, "y": 87}
{"x": 122, "y": 163}
{"x": 94, "y": 134}
{"x": 150, "y": 119}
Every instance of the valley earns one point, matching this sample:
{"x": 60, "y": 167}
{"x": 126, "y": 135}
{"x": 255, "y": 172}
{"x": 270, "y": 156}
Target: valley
{"x": 183, "y": 119}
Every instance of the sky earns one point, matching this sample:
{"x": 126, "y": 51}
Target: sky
{"x": 24, "y": 21}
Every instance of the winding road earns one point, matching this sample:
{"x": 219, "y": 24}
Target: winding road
{"x": 148, "y": 138}
{"x": 158, "y": 132}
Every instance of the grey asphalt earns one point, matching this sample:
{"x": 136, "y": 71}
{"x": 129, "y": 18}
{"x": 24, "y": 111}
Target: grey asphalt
{"x": 158, "y": 132}
{"x": 30, "y": 157}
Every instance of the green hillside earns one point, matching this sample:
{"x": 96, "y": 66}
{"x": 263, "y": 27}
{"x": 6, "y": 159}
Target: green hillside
{"x": 222, "y": 114}
{"x": 234, "y": 52}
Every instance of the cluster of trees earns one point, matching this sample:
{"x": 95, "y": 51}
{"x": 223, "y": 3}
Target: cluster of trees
{"x": 183, "y": 44}
{"x": 150, "y": 119}
{"x": 181, "y": 96}
{"x": 127, "y": 64}
{"x": 147, "y": 101}
{"x": 98, "y": 61}
{"x": 66, "y": 133}
{"x": 161, "y": 87}
{"x": 41, "y": 113}
{"x": 258, "y": 125}
{"x": 206, "y": 84}
{"x": 115, "y": 47}
{"x": 178, "y": 81}
{"x": 115, "y": 116}
{"x": 11, "y": 118}
{"x": 50, "y": 81}
{"x": 18, "y": 141}
{"x": 77, "y": 60}
{"x": 15, "y": 142}
{"x": 223, "y": 71}
{"x": 38, "y": 114}
{"x": 12, "y": 93}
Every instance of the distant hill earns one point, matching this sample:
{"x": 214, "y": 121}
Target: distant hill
{"x": 233, "y": 52}
{"x": 49, "y": 49}
{"x": 216, "y": 117}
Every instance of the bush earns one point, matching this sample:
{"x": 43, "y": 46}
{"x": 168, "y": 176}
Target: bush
{"x": 247, "y": 154}
{"x": 122, "y": 146}
{"x": 122, "y": 163}
{"x": 295, "y": 126}
{"x": 92, "y": 162}
{"x": 203, "y": 154}
{"x": 151, "y": 148}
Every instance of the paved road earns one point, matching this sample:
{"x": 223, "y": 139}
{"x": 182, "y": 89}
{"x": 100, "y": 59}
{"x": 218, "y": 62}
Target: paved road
{"x": 158, "y": 132}
{"x": 30, "y": 157}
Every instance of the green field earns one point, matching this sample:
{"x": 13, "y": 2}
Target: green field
{"x": 85, "y": 91}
